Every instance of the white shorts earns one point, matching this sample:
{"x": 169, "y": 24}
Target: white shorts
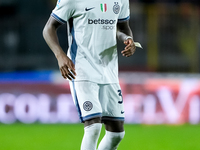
{"x": 97, "y": 100}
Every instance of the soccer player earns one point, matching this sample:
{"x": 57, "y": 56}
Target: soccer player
{"x": 91, "y": 63}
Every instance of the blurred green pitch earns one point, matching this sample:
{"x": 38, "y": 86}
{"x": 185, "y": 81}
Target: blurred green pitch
{"x": 68, "y": 137}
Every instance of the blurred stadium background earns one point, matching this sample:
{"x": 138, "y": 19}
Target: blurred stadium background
{"x": 160, "y": 83}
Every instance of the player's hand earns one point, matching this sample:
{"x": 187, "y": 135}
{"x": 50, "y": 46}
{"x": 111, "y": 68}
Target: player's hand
{"x": 66, "y": 66}
{"x": 129, "y": 49}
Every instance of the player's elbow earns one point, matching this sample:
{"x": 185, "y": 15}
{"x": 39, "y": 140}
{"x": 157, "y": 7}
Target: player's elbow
{"x": 45, "y": 31}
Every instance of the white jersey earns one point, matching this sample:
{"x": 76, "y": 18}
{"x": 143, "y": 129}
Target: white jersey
{"x": 92, "y": 36}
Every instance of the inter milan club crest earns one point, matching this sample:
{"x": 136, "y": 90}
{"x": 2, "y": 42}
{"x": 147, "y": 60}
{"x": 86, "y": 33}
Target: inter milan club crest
{"x": 87, "y": 106}
{"x": 116, "y": 8}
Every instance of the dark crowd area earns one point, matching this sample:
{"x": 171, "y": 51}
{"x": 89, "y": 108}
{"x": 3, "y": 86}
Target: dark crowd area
{"x": 167, "y": 29}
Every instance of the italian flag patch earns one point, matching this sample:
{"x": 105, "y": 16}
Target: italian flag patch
{"x": 103, "y": 7}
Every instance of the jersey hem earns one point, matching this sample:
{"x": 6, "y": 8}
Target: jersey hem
{"x": 116, "y": 82}
{"x": 91, "y": 116}
{"x": 112, "y": 118}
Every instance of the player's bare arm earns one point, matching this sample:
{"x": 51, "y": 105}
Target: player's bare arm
{"x": 124, "y": 34}
{"x": 66, "y": 66}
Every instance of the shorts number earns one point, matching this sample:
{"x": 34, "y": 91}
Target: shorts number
{"x": 120, "y": 94}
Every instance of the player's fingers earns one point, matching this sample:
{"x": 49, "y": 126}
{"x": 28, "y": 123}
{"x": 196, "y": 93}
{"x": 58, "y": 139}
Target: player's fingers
{"x": 124, "y": 53}
{"x": 72, "y": 68}
{"x": 126, "y": 50}
{"x": 68, "y": 74}
{"x": 128, "y": 46}
{"x": 73, "y": 71}
{"x": 127, "y": 54}
{"x": 71, "y": 75}
{"x": 133, "y": 46}
{"x": 63, "y": 73}
{"x": 72, "y": 65}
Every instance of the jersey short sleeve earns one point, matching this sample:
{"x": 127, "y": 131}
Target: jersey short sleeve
{"x": 125, "y": 11}
{"x": 63, "y": 11}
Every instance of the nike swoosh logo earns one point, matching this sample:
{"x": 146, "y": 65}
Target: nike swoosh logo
{"x": 122, "y": 112}
{"x": 120, "y": 102}
{"x": 87, "y": 9}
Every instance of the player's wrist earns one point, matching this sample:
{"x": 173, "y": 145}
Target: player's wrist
{"x": 128, "y": 37}
{"x": 59, "y": 54}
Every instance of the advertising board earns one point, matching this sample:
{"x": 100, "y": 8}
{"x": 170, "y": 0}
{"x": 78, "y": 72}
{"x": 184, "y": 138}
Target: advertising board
{"x": 148, "y": 98}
